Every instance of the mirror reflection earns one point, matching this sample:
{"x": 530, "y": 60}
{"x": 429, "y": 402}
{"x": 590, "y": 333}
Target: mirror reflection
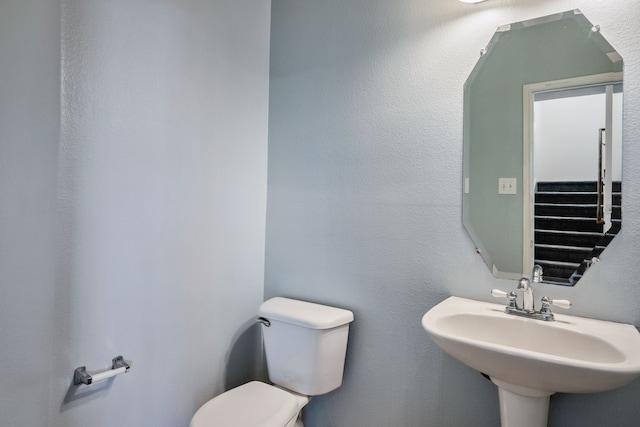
{"x": 574, "y": 217}
{"x": 542, "y": 148}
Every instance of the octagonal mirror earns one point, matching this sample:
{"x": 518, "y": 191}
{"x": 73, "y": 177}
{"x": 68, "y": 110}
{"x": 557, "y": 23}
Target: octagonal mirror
{"x": 542, "y": 148}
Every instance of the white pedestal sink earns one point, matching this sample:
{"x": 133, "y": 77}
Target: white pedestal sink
{"x": 530, "y": 359}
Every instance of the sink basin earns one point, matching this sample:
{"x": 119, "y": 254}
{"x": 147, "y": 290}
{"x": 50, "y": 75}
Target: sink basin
{"x": 571, "y": 354}
{"x": 534, "y": 358}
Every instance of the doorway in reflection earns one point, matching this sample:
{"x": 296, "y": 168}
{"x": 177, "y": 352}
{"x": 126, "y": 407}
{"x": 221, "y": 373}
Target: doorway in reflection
{"x": 577, "y": 159}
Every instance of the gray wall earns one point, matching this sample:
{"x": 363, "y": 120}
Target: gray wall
{"x": 364, "y": 199}
{"x": 29, "y": 129}
{"x": 152, "y": 148}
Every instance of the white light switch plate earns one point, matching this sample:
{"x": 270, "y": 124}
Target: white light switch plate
{"x": 507, "y": 185}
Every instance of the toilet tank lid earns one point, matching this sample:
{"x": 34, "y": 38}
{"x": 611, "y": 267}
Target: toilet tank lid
{"x": 306, "y": 314}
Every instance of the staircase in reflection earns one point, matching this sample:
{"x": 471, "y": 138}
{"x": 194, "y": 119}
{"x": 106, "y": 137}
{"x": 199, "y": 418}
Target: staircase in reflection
{"x": 566, "y": 235}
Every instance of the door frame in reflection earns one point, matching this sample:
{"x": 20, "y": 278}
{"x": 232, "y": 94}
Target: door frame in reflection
{"x": 528, "y": 94}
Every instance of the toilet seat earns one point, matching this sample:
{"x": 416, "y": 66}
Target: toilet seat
{"x": 254, "y": 404}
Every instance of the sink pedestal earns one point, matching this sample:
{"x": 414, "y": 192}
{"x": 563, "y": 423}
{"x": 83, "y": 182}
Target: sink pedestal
{"x": 521, "y": 406}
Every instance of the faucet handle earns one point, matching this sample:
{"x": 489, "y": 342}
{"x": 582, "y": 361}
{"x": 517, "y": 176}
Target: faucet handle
{"x": 562, "y": 303}
{"x": 497, "y": 293}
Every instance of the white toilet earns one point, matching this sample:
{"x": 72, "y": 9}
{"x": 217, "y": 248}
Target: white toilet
{"x": 305, "y": 345}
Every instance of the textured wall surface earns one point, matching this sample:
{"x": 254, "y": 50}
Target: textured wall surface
{"x": 163, "y": 198}
{"x": 29, "y": 129}
{"x": 364, "y": 199}
{"x": 152, "y": 144}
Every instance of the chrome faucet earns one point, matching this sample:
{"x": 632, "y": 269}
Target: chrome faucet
{"x": 524, "y": 286}
{"x": 528, "y": 308}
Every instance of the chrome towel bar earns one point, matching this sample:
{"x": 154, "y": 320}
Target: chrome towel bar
{"x": 118, "y": 366}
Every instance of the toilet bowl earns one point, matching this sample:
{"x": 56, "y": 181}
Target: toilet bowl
{"x": 305, "y": 346}
{"x": 254, "y": 404}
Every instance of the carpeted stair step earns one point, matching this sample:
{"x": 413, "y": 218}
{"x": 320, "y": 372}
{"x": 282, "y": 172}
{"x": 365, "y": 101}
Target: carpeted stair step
{"x": 574, "y": 186}
{"x": 579, "y": 198}
{"x": 563, "y": 254}
{"x": 568, "y": 238}
{"x": 566, "y": 224}
{"x": 572, "y": 210}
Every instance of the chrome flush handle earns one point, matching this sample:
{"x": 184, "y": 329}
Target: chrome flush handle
{"x": 264, "y": 321}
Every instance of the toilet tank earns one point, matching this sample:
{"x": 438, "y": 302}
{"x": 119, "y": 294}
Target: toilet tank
{"x": 305, "y": 344}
